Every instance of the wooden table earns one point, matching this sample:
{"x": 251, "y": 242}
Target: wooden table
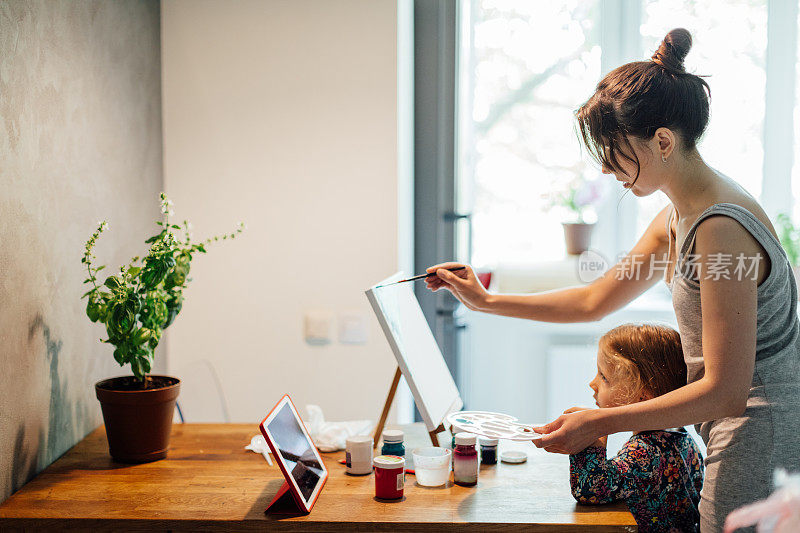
{"x": 209, "y": 482}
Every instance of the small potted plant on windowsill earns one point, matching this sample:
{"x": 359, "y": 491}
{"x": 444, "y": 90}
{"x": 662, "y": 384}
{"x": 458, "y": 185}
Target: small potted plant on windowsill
{"x": 577, "y": 200}
{"x": 135, "y": 306}
{"x": 790, "y": 240}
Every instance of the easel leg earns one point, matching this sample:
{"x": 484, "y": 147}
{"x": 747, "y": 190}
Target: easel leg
{"x": 386, "y": 407}
{"x": 434, "y": 435}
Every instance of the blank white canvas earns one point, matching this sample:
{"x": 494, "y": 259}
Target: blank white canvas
{"x": 415, "y": 349}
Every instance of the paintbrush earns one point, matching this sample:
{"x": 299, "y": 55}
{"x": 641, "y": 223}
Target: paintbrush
{"x": 419, "y": 277}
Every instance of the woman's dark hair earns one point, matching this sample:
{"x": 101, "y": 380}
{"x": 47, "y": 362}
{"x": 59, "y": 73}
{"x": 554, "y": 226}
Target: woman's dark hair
{"x": 636, "y": 99}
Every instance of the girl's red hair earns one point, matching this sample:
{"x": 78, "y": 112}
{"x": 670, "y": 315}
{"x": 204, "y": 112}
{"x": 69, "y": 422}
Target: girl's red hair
{"x": 646, "y": 360}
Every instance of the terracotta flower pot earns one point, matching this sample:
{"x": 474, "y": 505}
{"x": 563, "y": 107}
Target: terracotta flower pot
{"x": 138, "y": 422}
{"x": 577, "y": 236}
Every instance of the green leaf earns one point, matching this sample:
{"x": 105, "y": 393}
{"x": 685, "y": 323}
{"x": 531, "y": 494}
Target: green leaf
{"x": 153, "y": 275}
{"x": 137, "y": 369}
{"x": 154, "y": 312}
{"x": 153, "y": 342}
{"x": 141, "y": 336}
{"x": 102, "y": 312}
{"x": 120, "y": 355}
{"x": 122, "y": 320}
{"x": 146, "y": 363}
{"x": 98, "y": 269}
{"x": 789, "y": 238}
{"x": 154, "y": 238}
{"x": 134, "y": 271}
{"x": 113, "y": 282}
{"x": 92, "y": 311}
{"x": 177, "y": 277}
{"x": 175, "y": 226}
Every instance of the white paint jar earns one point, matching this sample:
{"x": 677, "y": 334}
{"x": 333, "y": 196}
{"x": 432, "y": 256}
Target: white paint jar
{"x": 358, "y": 455}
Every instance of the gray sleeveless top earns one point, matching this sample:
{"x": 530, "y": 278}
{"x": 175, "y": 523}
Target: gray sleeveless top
{"x": 743, "y": 451}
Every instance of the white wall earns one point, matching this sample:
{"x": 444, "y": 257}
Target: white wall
{"x": 283, "y": 114}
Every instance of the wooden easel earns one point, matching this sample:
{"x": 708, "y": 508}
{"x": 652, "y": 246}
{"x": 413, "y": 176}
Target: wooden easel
{"x": 389, "y": 399}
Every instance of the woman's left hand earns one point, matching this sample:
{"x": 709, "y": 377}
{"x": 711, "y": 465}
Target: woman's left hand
{"x": 570, "y": 432}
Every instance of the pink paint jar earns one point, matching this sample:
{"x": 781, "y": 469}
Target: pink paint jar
{"x": 465, "y": 460}
{"x": 389, "y": 476}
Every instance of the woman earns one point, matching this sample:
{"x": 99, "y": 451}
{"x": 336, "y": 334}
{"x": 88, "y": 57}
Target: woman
{"x": 739, "y": 326}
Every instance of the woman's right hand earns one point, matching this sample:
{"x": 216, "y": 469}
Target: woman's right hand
{"x": 463, "y": 284}
{"x": 602, "y": 441}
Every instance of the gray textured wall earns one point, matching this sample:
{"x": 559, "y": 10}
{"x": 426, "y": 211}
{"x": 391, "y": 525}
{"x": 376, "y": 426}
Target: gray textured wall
{"x": 80, "y": 140}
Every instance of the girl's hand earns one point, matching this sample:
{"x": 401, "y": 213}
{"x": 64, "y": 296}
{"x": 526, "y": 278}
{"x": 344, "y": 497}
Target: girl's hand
{"x": 463, "y": 284}
{"x": 569, "y": 433}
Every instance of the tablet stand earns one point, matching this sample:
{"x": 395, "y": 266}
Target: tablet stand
{"x": 284, "y": 502}
{"x": 434, "y": 435}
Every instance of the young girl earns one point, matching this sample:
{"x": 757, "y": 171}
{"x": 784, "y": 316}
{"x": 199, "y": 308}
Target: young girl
{"x": 658, "y": 474}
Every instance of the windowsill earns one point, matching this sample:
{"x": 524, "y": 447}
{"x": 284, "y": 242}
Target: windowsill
{"x": 563, "y": 273}
{"x": 536, "y": 277}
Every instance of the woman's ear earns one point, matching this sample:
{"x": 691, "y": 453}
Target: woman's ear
{"x": 666, "y": 140}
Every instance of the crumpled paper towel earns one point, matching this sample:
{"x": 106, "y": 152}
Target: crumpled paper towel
{"x": 331, "y": 436}
{"x": 259, "y": 444}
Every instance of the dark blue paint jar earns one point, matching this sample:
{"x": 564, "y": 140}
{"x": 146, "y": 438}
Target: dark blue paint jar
{"x": 488, "y": 451}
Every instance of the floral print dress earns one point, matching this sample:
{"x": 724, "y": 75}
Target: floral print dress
{"x": 658, "y": 474}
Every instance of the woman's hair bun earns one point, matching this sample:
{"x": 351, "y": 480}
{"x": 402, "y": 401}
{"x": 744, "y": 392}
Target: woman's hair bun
{"x": 673, "y": 50}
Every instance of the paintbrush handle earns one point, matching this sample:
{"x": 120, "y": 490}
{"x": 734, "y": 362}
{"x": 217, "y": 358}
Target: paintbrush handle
{"x": 431, "y": 274}
{"x": 418, "y": 277}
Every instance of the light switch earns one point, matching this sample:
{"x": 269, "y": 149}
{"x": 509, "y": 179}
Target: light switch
{"x": 352, "y": 328}
{"x": 318, "y": 327}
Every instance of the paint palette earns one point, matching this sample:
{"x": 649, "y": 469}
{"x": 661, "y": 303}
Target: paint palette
{"x": 492, "y": 425}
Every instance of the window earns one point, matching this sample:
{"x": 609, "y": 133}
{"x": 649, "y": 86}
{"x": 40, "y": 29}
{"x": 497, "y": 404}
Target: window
{"x": 733, "y": 142}
{"x": 526, "y": 66}
{"x": 796, "y": 124}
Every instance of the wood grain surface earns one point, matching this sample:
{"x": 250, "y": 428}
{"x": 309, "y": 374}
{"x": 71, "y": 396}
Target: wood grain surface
{"x": 209, "y": 482}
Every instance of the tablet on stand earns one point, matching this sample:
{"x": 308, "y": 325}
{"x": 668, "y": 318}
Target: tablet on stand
{"x": 299, "y": 460}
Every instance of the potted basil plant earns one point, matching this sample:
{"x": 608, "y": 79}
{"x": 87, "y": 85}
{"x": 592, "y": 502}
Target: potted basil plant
{"x": 135, "y": 305}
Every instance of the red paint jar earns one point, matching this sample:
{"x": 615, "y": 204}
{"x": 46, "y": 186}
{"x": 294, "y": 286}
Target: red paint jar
{"x": 389, "y": 476}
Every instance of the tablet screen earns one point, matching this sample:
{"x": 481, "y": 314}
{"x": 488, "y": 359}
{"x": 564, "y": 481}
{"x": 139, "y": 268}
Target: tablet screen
{"x": 296, "y": 449}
